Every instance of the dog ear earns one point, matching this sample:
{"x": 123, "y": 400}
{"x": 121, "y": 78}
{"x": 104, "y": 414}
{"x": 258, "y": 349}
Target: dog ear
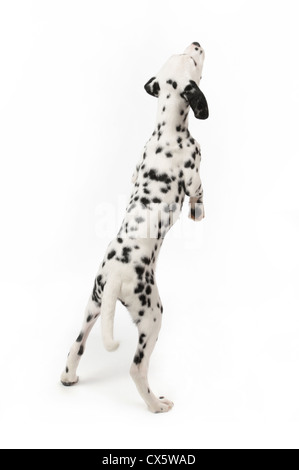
{"x": 152, "y": 87}
{"x": 197, "y": 100}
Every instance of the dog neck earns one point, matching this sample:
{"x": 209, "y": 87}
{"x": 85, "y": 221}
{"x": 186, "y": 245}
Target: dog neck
{"x": 172, "y": 115}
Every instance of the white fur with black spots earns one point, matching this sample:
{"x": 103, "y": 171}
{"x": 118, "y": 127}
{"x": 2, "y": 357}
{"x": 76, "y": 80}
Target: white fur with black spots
{"x": 167, "y": 171}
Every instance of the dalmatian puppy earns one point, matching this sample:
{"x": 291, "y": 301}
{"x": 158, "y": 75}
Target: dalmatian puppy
{"x": 168, "y": 170}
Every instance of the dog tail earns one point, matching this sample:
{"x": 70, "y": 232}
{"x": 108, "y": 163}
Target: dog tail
{"x": 110, "y": 296}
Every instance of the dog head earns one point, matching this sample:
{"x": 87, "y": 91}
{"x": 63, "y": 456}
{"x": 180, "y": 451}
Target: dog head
{"x": 182, "y": 73}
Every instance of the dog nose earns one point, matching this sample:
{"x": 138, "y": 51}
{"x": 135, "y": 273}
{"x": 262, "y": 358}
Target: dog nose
{"x": 196, "y": 43}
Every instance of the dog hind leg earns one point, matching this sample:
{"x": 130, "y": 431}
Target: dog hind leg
{"x": 92, "y": 312}
{"x": 148, "y": 328}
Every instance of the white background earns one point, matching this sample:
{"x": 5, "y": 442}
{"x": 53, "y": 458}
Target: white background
{"x": 74, "y": 118}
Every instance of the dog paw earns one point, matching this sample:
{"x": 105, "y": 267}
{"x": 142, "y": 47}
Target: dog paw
{"x": 197, "y": 212}
{"x": 67, "y": 380}
{"x": 161, "y": 405}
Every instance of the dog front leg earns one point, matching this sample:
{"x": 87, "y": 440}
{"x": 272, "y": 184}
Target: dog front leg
{"x": 196, "y": 209}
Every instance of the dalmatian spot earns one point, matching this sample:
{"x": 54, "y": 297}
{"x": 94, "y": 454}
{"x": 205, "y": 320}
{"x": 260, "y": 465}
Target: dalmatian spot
{"x": 111, "y": 254}
{"x": 148, "y": 290}
{"x": 187, "y": 164}
{"x": 163, "y": 177}
{"x": 156, "y": 200}
{"x": 131, "y": 207}
{"x": 181, "y": 186}
{"x": 80, "y": 337}
{"x": 169, "y": 155}
{"x": 126, "y": 255}
{"x": 141, "y": 313}
{"x": 98, "y": 287}
{"x": 139, "y": 288}
{"x": 142, "y": 299}
{"x": 139, "y": 219}
{"x": 138, "y": 358}
{"x": 145, "y": 260}
{"x": 178, "y": 128}
{"x": 144, "y": 201}
{"x": 139, "y": 270}
{"x": 141, "y": 338}
{"x": 81, "y": 350}
{"x": 159, "y": 149}
{"x": 120, "y": 240}
{"x": 89, "y": 318}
